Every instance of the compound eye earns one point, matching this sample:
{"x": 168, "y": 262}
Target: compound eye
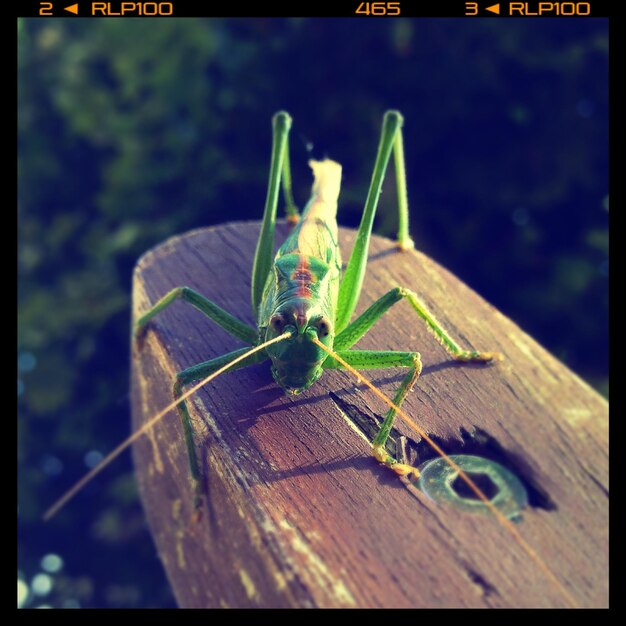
{"x": 277, "y": 323}
{"x": 323, "y": 327}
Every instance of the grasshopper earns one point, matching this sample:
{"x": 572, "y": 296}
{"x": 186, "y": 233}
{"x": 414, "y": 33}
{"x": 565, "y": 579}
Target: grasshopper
{"x": 304, "y": 307}
{"x": 303, "y": 304}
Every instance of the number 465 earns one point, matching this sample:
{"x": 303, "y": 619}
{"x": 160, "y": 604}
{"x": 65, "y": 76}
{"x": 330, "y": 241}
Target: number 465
{"x": 378, "y": 8}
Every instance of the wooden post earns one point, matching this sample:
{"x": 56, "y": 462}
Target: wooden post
{"x": 298, "y": 514}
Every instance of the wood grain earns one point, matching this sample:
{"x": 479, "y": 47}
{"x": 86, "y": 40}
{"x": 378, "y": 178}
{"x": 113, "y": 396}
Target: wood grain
{"x": 298, "y": 514}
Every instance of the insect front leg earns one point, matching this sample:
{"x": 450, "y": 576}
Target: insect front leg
{"x": 382, "y": 359}
{"x": 190, "y": 375}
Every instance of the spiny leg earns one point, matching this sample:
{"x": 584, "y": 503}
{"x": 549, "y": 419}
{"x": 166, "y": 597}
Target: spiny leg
{"x": 190, "y": 375}
{"x": 354, "y": 331}
{"x": 210, "y": 309}
{"x": 264, "y": 255}
{"x": 404, "y": 240}
{"x": 293, "y": 214}
{"x": 381, "y": 359}
{"x": 350, "y": 289}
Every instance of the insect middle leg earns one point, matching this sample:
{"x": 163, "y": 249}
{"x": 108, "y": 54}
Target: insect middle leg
{"x": 380, "y": 359}
{"x": 359, "y": 327}
{"x": 227, "y": 321}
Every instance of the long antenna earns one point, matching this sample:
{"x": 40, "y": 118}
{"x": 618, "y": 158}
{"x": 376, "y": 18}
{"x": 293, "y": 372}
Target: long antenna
{"x": 70, "y": 493}
{"x": 504, "y": 521}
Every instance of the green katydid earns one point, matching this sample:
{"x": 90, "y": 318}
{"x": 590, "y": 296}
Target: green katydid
{"x": 300, "y": 293}
{"x": 304, "y": 307}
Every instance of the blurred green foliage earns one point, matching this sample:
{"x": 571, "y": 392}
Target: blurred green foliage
{"x": 132, "y": 130}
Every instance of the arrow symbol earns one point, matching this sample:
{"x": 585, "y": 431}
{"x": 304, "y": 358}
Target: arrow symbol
{"x": 495, "y": 8}
{"x": 72, "y": 9}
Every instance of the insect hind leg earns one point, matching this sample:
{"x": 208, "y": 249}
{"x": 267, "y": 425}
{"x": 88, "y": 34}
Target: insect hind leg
{"x": 350, "y": 288}
{"x": 291, "y": 210}
{"x": 404, "y": 241}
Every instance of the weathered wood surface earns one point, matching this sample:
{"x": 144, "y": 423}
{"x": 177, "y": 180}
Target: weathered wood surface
{"x": 298, "y": 514}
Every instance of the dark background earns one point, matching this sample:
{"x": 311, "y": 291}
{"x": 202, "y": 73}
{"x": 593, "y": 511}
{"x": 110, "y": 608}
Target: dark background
{"x": 132, "y": 130}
